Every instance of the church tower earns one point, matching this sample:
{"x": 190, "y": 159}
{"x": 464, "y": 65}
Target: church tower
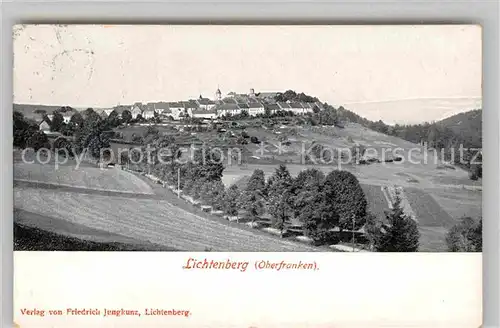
{"x": 218, "y": 94}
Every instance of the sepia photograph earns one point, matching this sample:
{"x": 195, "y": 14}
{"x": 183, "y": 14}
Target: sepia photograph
{"x": 247, "y": 138}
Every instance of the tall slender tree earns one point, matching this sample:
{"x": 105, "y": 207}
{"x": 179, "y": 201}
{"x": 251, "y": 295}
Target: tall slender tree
{"x": 400, "y": 234}
{"x": 252, "y": 198}
{"x": 280, "y": 197}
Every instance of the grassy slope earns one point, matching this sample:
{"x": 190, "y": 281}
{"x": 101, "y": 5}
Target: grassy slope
{"x": 33, "y": 239}
{"x": 68, "y": 229}
{"x": 89, "y": 177}
{"x": 150, "y": 220}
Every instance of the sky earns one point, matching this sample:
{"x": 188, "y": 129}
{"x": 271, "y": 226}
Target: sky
{"x": 394, "y": 73}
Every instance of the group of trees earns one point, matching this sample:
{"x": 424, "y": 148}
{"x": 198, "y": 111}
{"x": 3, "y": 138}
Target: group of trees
{"x": 466, "y": 236}
{"x": 89, "y": 131}
{"x": 93, "y": 132}
{"x": 26, "y": 133}
{"x": 291, "y": 95}
{"x": 322, "y": 203}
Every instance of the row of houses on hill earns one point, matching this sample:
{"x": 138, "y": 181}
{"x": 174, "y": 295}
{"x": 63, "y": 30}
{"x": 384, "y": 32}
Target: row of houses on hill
{"x": 232, "y": 104}
{"x": 202, "y": 107}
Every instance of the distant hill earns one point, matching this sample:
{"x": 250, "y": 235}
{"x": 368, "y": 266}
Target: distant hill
{"x": 414, "y": 111}
{"x": 28, "y": 110}
{"x": 467, "y": 125}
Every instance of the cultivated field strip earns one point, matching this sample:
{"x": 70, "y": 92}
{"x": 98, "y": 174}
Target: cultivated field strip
{"x": 69, "y": 188}
{"x": 377, "y": 203}
{"x": 427, "y": 210}
{"x": 150, "y": 220}
{"x": 90, "y": 177}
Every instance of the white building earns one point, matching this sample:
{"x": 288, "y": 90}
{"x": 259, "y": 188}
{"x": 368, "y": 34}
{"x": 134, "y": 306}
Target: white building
{"x": 136, "y": 111}
{"x": 273, "y": 108}
{"x": 176, "y": 109}
{"x": 67, "y": 117}
{"x": 44, "y": 126}
{"x": 205, "y": 114}
{"x": 158, "y": 107}
{"x": 284, "y": 106}
{"x": 255, "y": 109}
{"x": 189, "y": 107}
{"x": 296, "y": 108}
{"x": 205, "y": 103}
{"x": 148, "y": 114}
{"x": 228, "y": 109}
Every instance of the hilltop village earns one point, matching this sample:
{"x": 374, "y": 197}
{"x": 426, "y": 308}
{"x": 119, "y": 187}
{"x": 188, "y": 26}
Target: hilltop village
{"x": 232, "y": 104}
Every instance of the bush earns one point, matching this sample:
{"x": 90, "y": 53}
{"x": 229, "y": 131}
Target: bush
{"x": 475, "y": 172}
{"x": 254, "y": 140}
{"x": 241, "y": 141}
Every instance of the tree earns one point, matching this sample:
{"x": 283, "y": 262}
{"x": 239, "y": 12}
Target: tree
{"x": 113, "y": 119}
{"x": 343, "y": 191}
{"x": 212, "y": 192}
{"x": 92, "y": 136}
{"x": 252, "y": 198}
{"x": 373, "y": 229}
{"x": 280, "y": 197}
{"x": 466, "y": 236}
{"x": 252, "y": 201}
{"x": 257, "y": 181}
{"x": 308, "y": 183}
{"x": 311, "y": 206}
{"x": 400, "y": 234}
{"x": 38, "y": 140}
{"x": 22, "y": 129}
{"x": 57, "y": 122}
{"x": 126, "y": 116}
{"x": 91, "y": 116}
{"x": 76, "y": 119}
{"x": 62, "y": 146}
{"x": 206, "y": 164}
{"x": 231, "y": 198}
